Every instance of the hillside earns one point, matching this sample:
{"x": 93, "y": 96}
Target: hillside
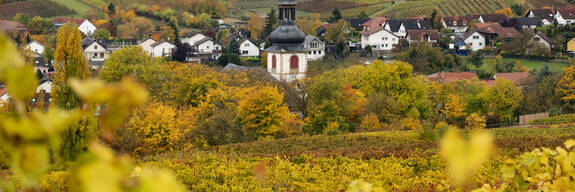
{"x": 399, "y": 8}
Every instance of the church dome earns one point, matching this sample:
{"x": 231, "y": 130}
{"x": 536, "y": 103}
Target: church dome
{"x": 287, "y": 33}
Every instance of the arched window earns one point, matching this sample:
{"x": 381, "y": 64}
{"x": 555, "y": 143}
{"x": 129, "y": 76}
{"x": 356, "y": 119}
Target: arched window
{"x": 293, "y": 62}
{"x": 274, "y": 60}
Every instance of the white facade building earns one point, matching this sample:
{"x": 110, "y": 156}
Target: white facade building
{"x": 162, "y": 49}
{"x": 475, "y": 41}
{"x": 146, "y": 45}
{"x": 287, "y": 66}
{"x": 249, "y": 49}
{"x": 207, "y": 46}
{"x": 382, "y": 40}
{"x": 95, "y": 51}
{"x": 315, "y": 47}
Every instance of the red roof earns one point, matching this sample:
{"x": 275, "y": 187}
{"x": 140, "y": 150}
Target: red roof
{"x": 448, "y": 77}
{"x": 497, "y": 29}
{"x": 417, "y": 35}
{"x": 77, "y": 21}
{"x": 518, "y": 77}
{"x": 6, "y": 25}
{"x": 373, "y": 25}
{"x": 567, "y": 13}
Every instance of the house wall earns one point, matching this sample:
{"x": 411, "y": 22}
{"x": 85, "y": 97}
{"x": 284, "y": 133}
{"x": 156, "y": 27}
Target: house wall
{"x": 208, "y": 47}
{"x": 316, "y": 49}
{"x": 571, "y": 45}
{"x": 95, "y": 52}
{"x": 541, "y": 42}
{"x": 163, "y": 50}
{"x": 382, "y": 40}
{"x": 249, "y": 49}
{"x": 282, "y": 71}
{"x": 475, "y": 44}
{"x": 147, "y": 46}
{"x": 563, "y": 21}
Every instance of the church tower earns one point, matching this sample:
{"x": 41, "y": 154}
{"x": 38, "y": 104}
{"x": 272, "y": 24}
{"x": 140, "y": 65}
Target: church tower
{"x": 287, "y": 56}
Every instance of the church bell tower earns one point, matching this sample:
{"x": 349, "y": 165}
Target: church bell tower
{"x": 287, "y": 56}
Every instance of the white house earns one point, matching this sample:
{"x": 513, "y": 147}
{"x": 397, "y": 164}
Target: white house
{"x": 192, "y": 38}
{"x": 315, "y": 47}
{"x": 545, "y": 15}
{"x": 146, "y": 45}
{"x": 474, "y": 40}
{"x": 379, "y": 40}
{"x": 162, "y": 49}
{"x": 207, "y": 46}
{"x": 87, "y": 28}
{"x": 94, "y": 50}
{"x": 565, "y": 16}
{"x": 458, "y": 24}
{"x": 249, "y": 48}
{"x": 46, "y": 87}
{"x": 36, "y": 48}
{"x": 540, "y": 39}
{"x": 398, "y": 29}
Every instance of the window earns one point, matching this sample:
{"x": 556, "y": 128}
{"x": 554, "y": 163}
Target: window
{"x": 274, "y": 62}
{"x": 101, "y": 55}
{"x": 310, "y": 52}
{"x": 314, "y": 52}
{"x": 536, "y": 39}
{"x": 294, "y": 62}
{"x": 95, "y": 47}
{"x": 319, "y": 52}
{"x": 480, "y": 44}
{"x": 247, "y": 44}
{"x": 95, "y": 55}
{"x": 245, "y": 52}
{"x": 385, "y": 38}
{"x": 470, "y": 44}
{"x": 476, "y": 37}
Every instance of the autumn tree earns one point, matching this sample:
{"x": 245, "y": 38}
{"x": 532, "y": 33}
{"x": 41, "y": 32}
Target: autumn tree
{"x": 506, "y": 11}
{"x": 138, "y": 28}
{"x": 133, "y": 61}
{"x": 336, "y": 34}
{"x": 309, "y": 24}
{"x": 22, "y": 18}
{"x": 454, "y": 109}
{"x": 264, "y": 113}
{"x": 255, "y": 26}
{"x": 503, "y": 99}
{"x": 156, "y": 129}
{"x": 566, "y": 88}
{"x": 102, "y": 34}
{"x": 38, "y": 25}
{"x": 69, "y": 63}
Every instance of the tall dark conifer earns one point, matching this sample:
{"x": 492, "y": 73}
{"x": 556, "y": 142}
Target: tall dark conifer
{"x": 271, "y": 22}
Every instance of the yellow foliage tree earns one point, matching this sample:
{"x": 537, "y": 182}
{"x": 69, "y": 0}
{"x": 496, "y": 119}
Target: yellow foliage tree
{"x": 506, "y": 11}
{"x": 454, "y": 109}
{"x": 309, "y": 24}
{"x": 370, "y": 123}
{"x": 263, "y": 112}
{"x": 566, "y": 86}
{"x": 475, "y": 121}
{"x": 156, "y": 128}
{"x": 256, "y": 26}
{"x": 68, "y": 63}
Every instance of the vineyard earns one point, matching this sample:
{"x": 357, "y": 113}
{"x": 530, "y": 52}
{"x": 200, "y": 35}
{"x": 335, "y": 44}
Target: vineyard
{"x": 461, "y": 7}
{"x": 390, "y": 161}
{"x": 327, "y": 5}
{"x": 42, "y": 8}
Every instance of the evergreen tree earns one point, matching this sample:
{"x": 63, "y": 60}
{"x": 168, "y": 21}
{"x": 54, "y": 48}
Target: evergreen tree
{"x": 174, "y": 26}
{"x": 335, "y": 16}
{"x": 271, "y": 23}
{"x": 28, "y": 39}
{"x": 233, "y": 47}
{"x": 111, "y": 8}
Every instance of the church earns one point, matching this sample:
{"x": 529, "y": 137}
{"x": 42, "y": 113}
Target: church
{"x": 287, "y": 56}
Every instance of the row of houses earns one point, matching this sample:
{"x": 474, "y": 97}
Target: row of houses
{"x": 383, "y": 34}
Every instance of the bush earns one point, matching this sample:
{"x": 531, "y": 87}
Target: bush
{"x": 475, "y": 121}
{"x": 370, "y": 123}
{"x": 55, "y": 181}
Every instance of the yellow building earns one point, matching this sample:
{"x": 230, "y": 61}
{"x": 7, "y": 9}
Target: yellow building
{"x": 571, "y": 45}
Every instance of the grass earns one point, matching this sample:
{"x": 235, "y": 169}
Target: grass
{"x": 80, "y": 7}
{"x": 554, "y": 66}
